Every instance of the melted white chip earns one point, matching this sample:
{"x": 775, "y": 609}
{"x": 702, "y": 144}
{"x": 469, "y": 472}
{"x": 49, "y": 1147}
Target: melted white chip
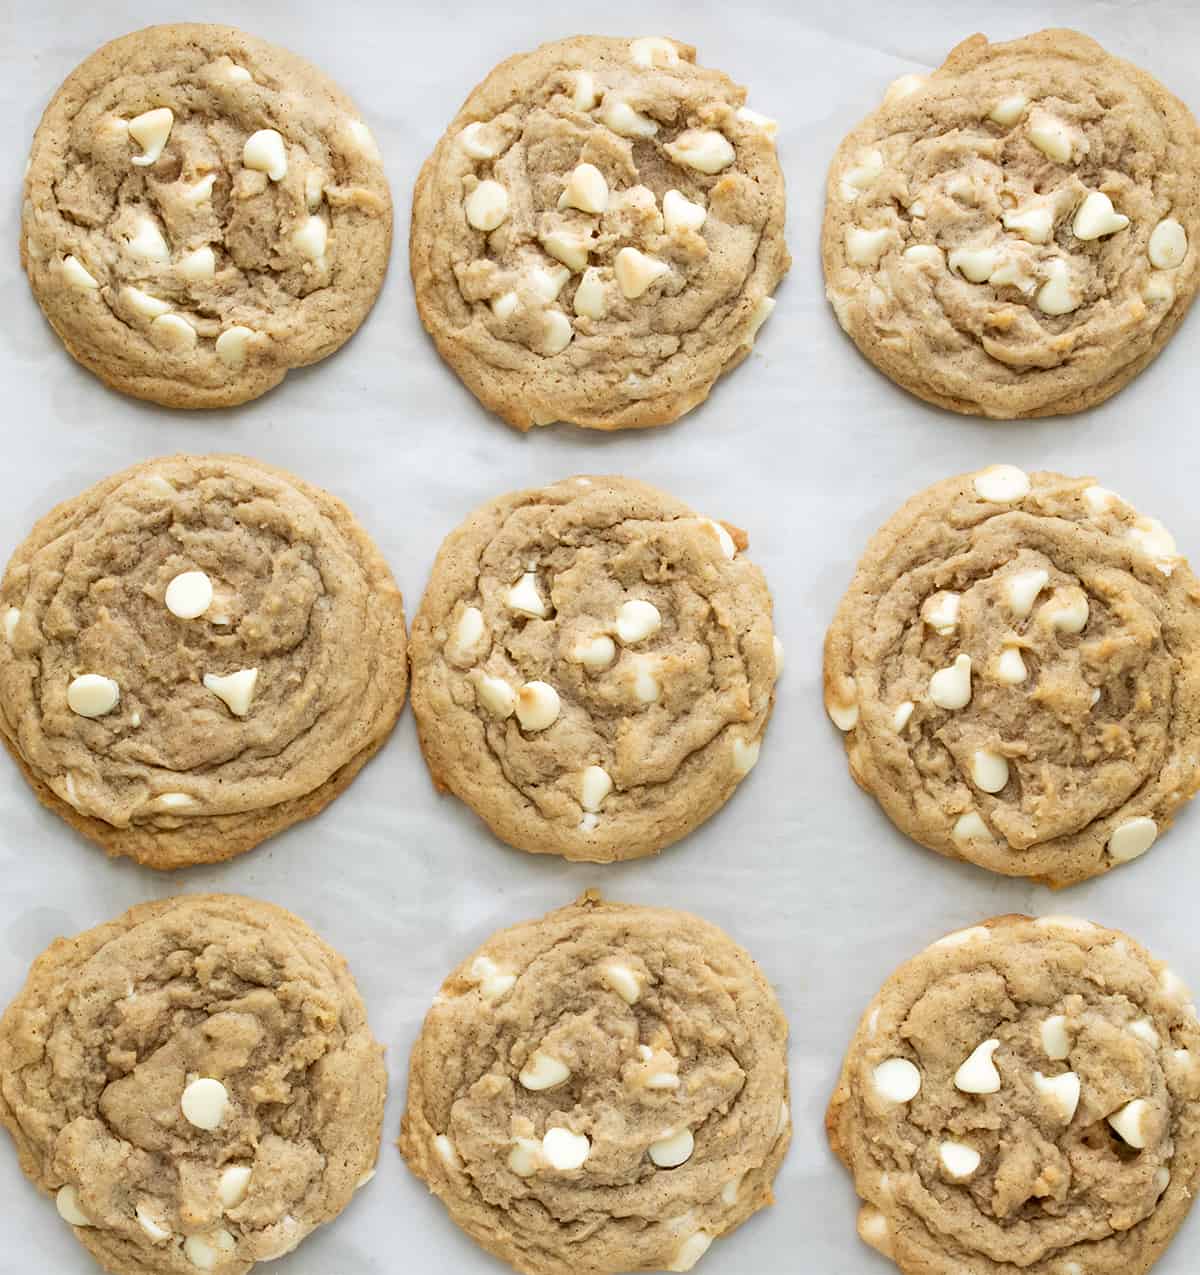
{"x": 526, "y": 1157}
{"x": 201, "y": 264}
{"x": 1055, "y": 1043}
{"x": 232, "y": 345}
{"x": 764, "y": 123}
{"x": 537, "y": 706}
{"x": 556, "y": 332}
{"x": 93, "y": 695}
{"x": 544, "y": 1072}
{"x": 941, "y": 611}
{"x": 493, "y": 981}
{"x": 637, "y": 272}
{"x": 200, "y": 191}
{"x": 623, "y": 981}
{"x": 584, "y": 96}
{"x": 172, "y": 332}
{"x": 147, "y": 1221}
{"x": 486, "y": 206}
{"x": 1132, "y": 838}
{"x": 959, "y": 1160}
{"x": 468, "y": 634}
{"x": 905, "y": 86}
{"x": 978, "y": 1074}
{"x": 148, "y": 242}
{"x": 897, "y": 1080}
{"x": 1051, "y": 136}
{"x": 151, "y": 131}
{"x": 975, "y": 264}
{"x": 1023, "y": 588}
{"x": 637, "y": 620}
{"x": 1060, "y": 1092}
{"x": 1168, "y": 245}
{"x": 1010, "y": 667}
{"x": 950, "y": 687}
{"x": 67, "y": 1203}
{"x": 595, "y": 653}
{"x": 703, "y": 149}
{"x": 989, "y": 770}
{"x": 960, "y": 937}
{"x": 1143, "y": 1029}
{"x": 653, "y": 50}
{"x": 204, "y": 1102}
{"x": 594, "y": 785}
{"x": 1009, "y": 109}
{"x": 206, "y": 1252}
{"x": 495, "y": 694}
{"x": 857, "y": 179}
{"x": 565, "y": 1150}
{"x": 479, "y": 142}
{"x": 902, "y": 714}
{"x": 233, "y": 1184}
{"x": 235, "y": 689}
{"x": 690, "y": 1251}
{"x": 680, "y": 213}
{"x": 311, "y": 238}
{"x": 586, "y": 190}
{"x": 1035, "y": 223}
{"x": 970, "y": 827}
{"x": 1002, "y": 484}
{"x": 1130, "y": 1122}
{"x": 673, "y": 1149}
{"x": 189, "y": 595}
{"x": 525, "y": 599}
{"x": 1057, "y": 295}
{"x": 745, "y": 754}
{"x": 77, "y": 276}
{"x": 548, "y": 283}
{"x": 265, "y": 152}
{"x": 646, "y": 689}
{"x": 728, "y": 548}
{"x": 1097, "y": 217}
{"x": 618, "y": 115}
{"x": 12, "y": 617}
{"x": 590, "y": 299}
{"x": 866, "y": 247}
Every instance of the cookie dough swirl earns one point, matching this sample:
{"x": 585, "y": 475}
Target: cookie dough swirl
{"x": 203, "y": 212}
{"x": 597, "y": 236}
{"x": 1015, "y": 667}
{"x": 1024, "y": 1095}
{"x": 195, "y": 654}
{"x": 593, "y": 668}
{"x": 1016, "y": 234}
{"x": 602, "y": 1090}
{"x": 195, "y": 1083}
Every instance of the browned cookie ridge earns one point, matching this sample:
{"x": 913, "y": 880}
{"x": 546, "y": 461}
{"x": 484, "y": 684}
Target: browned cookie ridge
{"x": 1016, "y": 233}
{"x": 597, "y": 236}
{"x": 202, "y": 212}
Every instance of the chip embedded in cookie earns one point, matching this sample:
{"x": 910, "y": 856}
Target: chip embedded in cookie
{"x": 195, "y": 654}
{"x": 195, "y": 1083}
{"x": 203, "y": 212}
{"x": 1016, "y": 669}
{"x": 1014, "y": 235}
{"x": 597, "y": 236}
{"x": 593, "y": 667}
{"x": 619, "y": 1063}
{"x": 1023, "y": 1095}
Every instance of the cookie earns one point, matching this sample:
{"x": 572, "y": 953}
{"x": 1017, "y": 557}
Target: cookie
{"x": 1015, "y": 234}
{"x": 593, "y": 667}
{"x": 1023, "y": 1095}
{"x": 597, "y": 236}
{"x": 203, "y": 212}
{"x": 1016, "y": 668}
{"x": 195, "y": 1083}
{"x": 601, "y": 1090}
{"x": 196, "y": 654}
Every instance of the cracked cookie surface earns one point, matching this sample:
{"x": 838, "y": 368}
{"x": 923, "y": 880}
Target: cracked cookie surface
{"x": 597, "y": 236}
{"x": 203, "y": 211}
{"x": 1016, "y": 234}
{"x": 195, "y": 654}
{"x": 1024, "y": 1094}
{"x": 601, "y": 1090}
{"x": 593, "y": 667}
{"x": 195, "y": 1083}
{"x": 1015, "y": 670}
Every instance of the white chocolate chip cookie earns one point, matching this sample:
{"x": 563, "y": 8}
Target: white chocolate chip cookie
{"x": 655, "y": 1104}
{"x": 1016, "y": 670}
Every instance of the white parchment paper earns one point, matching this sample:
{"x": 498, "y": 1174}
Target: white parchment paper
{"x": 806, "y": 446}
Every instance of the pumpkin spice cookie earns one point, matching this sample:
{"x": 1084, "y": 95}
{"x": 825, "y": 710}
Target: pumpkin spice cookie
{"x": 601, "y": 1090}
{"x": 196, "y": 654}
{"x": 597, "y": 236}
{"x": 1016, "y": 668}
{"x": 1015, "y": 234}
{"x": 1023, "y": 1095}
{"x": 203, "y": 212}
{"x": 593, "y": 667}
{"x": 195, "y": 1083}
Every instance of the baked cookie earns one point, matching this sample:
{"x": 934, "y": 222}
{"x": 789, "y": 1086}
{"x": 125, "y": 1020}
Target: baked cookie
{"x": 195, "y": 1083}
{"x": 196, "y": 654}
{"x": 203, "y": 212}
{"x": 1023, "y": 1095}
{"x": 1015, "y": 234}
{"x": 602, "y": 1090}
{"x": 593, "y": 667}
{"x": 1016, "y": 667}
{"x": 597, "y": 236}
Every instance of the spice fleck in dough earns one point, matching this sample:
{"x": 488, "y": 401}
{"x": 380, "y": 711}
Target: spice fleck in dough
{"x": 601, "y": 1090}
{"x": 203, "y": 212}
{"x": 196, "y": 654}
{"x": 1016, "y": 668}
{"x": 195, "y": 1083}
{"x": 1015, "y": 234}
{"x": 597, "y": 236}
{"x": 1023, "y": 1095}
{"x": 593, "y": 667}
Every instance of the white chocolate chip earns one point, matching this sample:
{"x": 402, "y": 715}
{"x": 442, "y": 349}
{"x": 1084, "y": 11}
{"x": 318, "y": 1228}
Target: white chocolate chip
{"x": 842, "y": 710}
{"x": 637, "y": 620}
{"x": 1162, "y": 1179}
{"x": 624, "y": 981}
{"x": 904, "y": 86}
{"x": 204, "y": 1103}
{"x": 143, "y": 303}
{"x": 493, "y": 981}
{"x": 1023, "y": 588}
{"x": 236, "y": 690}
{"x": 495, "y": 694}
{"x": 556, "y": 332}
{"x": 703, "y": 149}
{"x": 1010, "y": 667}
{"x": 480, "y": 142}
{"x": 584, "y": 96}
{"x": 645, "y": 685}
{"x": 745, "y": 754}
{"x": 1034, "y": 224}
{"x": 1002, "y": 484}
{"x": 151, "y": 130}
{"x": 902, "y": 714}
{"x": 1096, "y": 217}
{"x": 763, "y": 309}
{"x": 543, "y": 1072}
{"x": 547, "y": 283}
{"x": 1056, "y": 295}
{"x": 970, "y": 827}
{"x": 865, "y": 247}
{"x": 505, "y": 305}
{"x": 586, "y": 190}
{"x": 1051, "y": 136}
{"x": 673, "y": 1149}
{"x": 199, "y": 192}
{"x": 189, "y": 595}
{"x": 538, "y": 706}
{"x": 237, "y": 74}
{"x": 653, "y": 50}
{"x": 1157, "y": 289}
{"x": 940, "y": 612}
{"x": 874, "y": 1230}
{"x": 764, "y": 123}
{"x": 201, "y": 264}
{"x": 91, "y": 695}
{"x": 594, "y": 785}
{"x": 525, "y": 599}
{"x": 1067, "y": 610}
{"x": 172, "y": 332}
{"x": 961, "y": 937}
{"x": 486, "y": 206}
{"x": 67, "y": 1203}
{"x": 150, "y": 1225}
{"x": 950, "y": 687}
{"x": 569, "y": 247}
{"x": 636, "y": 272}
{"x": 729, "y": 1192}
{"x": 959, "y": 1160}
{"x": 265, "y": 152}
{"x": 618, "y": 115}
{"x": 690, "y": 1251}
{"x": 311, "y": 238}
{"x": 897, "y": 1080}
{"x": 314, "y": 189}
{"x": 1009, "y": 109}
{"x": 1099, "y": 500}
{"x": 205, "y": 1252}
{"x": 76, "y": 275}
{"x": 978, "y": 1074}
{"x": 590, "y": 300}
{"x": 1061, "y": 1092}
{"x": 173, "y": 801}
{"x": 1168, "y": 245}
{"x": 975, "y": 264}
{"x": 12, "y": 617}
{"x": 1074, "y": 923}
{"x": 1130, "y": 1123}
{"x": 468, "y": 634}
{"x": 1055, "y": 1043}
{"x": 526, "y": 1157}
{"x": 233, "y": 1184}
{"x": 728, "y": 548}
{"x": 924, "y": 254}
{"x": 1155, "y": 541}
{"x": 565, "y": 1150}
{"x": 989, "y": 770}
{"x": 232, "y": 345}
{"x": 680, "y": 213}
{"x": 1132, "y": 838}
{"x": 595, "y": 653}
{"x": 855, "y": 180}
{"x": 148, "y": 242}
{"x": 1143, "y": 1029}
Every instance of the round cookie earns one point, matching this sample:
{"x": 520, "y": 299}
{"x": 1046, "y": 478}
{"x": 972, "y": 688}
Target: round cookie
{"x": 196, "y": 654}
{"x": 601, "y": 1090}
{"x": 195, "y": 1083}
{"x": 1015, "y": 234}
{"x": 203, "y": 211}
{"x": 1023, "y": 1095}
{"x": 593, "y": 667}
{"x": 1016, "y": 668}
{"x": 597, "y": 236}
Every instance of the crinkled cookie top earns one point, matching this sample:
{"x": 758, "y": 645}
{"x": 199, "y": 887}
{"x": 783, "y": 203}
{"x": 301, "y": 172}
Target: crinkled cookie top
{"x": 1016, "y": 666}
{"x": 203, "y": 212}
{"x": 196, "y": 653}
{"x": 597, "y": 236}
{"x": 602, "y": 1090}
{"x": 1015, "y": 234}
{"x": 593, "y": 667}
{"x": 1024, "y": 1095}
{"x": 196, "y": 1084}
